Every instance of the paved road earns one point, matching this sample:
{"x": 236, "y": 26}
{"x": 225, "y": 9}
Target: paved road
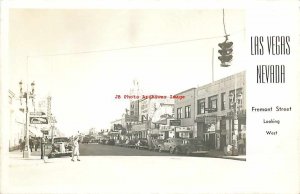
{"x": 111, "y": 150}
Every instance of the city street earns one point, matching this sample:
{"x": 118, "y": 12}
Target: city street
{"x": 112, "y": 150}
{"x": 120, "y": 174}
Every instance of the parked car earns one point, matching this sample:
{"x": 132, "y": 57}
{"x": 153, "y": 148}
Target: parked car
{"x": 170, "y": 145}
{"x": 130, "y": 142}
{"x": 191, "y": 146}
{"x": 85, "y": 140}
{"x": 61, "y": 147}
{"x": 103, "y": 140}
{"x": 155, "y": 144}
{"x": 120, "y": 142}
{"x": 110, "y": 142}
{"x": 142, "y": 144}
{"x": 94, "y": 141}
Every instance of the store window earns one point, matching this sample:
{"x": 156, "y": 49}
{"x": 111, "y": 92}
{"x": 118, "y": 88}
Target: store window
{"x": 179, "y": 113}
{"x": 212, "y": 103}
{"x": 201, "y": 106}
{"x": 188, "y": 112}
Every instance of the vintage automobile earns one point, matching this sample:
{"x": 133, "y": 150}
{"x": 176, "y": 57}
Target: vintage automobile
{"x": 110, "y": 142}
{"x": 155, "y": 143}
{"x": 170, "y": 145}
{"x": 103, "y": 140}
{"x": 191, "y": 146}
{"x": 130, "y": 143}
{"x": 142, "y": 144}
{"x": 120, "y": 142}
{"x": 61, "y": 147}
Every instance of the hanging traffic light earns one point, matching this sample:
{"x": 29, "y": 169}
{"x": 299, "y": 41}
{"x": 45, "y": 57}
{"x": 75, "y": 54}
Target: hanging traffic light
{"x": 226, "y": 53}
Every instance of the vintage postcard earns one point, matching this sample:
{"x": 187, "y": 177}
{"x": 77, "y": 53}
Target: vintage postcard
{"x": 149, "y": 97}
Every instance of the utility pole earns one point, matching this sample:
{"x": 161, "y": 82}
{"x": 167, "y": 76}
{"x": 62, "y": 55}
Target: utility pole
{"x": 26, "y": 95}
{"x": 49, "y": 114}
{"x": 212, "y": 66}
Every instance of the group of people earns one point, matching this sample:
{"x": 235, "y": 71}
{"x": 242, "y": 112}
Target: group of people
{"x": 34, "y": 143}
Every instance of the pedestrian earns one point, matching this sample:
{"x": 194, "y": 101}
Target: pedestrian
{"x": 21, "y": 145}
{"x": 75, "y": 150}
{"x": 241, "y": 146}
{"x": 30, "y": 144}
{"x": 43, "y": 141}
{"x": 36, "y": 144}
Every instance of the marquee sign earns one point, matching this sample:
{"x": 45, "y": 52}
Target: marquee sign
{"x": 38, "y": 120}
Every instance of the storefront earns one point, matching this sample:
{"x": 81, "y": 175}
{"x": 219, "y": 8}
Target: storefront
{"x": 209, "y": 127}
{"x": 140, "y": 131}
{"x": 166, "y": 131}
{"x": 184, "y": 132}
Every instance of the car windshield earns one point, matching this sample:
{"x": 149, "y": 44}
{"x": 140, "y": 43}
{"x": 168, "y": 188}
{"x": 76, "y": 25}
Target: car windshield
{"x": 61, "y": 139}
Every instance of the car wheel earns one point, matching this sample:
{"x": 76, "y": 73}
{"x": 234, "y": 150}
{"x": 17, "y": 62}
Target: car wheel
{"x": 159, "y": 149}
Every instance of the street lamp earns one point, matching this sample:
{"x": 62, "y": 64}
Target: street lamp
{"x": 26, "y": 95}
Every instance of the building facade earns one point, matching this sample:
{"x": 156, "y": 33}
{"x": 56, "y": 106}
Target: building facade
{"x": 220, "y": 114}
{"x": 185, "y": 112}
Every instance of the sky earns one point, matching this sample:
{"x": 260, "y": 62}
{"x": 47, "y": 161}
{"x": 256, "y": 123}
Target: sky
{"x": 84, "y": 57}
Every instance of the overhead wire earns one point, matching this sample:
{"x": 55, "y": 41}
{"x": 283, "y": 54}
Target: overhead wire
{"x": 132, "y": 47}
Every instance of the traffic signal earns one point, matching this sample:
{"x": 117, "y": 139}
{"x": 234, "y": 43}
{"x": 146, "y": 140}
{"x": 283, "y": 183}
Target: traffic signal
{"x": 226, "y": 53}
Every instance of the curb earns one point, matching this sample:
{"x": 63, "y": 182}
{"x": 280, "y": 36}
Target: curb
{"x": 227, "y": 157}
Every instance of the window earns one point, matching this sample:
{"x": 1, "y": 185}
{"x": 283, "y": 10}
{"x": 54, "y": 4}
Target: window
{"x": 231, "y": 98}
{"x": 212, "y": 103}
{"x": 201, "y": 106}
{"x": 238, "y": 101}
{"x": 179, "y": 113}
{"x": 188, "y": 112}
{"x": 223, "y": 101}
{"x": 239, "y": 98}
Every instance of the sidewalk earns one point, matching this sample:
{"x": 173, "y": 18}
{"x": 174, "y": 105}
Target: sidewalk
{"x": 16, "y": 158}
{"x": 220, "y": 154}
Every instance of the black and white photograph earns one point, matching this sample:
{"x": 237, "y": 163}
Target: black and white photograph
{"x": 120, "y": 99}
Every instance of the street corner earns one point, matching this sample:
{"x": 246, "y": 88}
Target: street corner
{"x": 17, "y": 160}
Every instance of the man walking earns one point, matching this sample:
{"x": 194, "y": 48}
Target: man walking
{"x": 75, "y": 150}
{"x": 30, "y": 143}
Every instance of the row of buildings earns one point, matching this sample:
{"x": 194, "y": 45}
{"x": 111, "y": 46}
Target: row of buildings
{"x": 17, "y": 119}
{"x": 215, "y": 112}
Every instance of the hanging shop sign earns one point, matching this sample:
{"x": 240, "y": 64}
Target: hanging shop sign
{"x": 175, "y": 122}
